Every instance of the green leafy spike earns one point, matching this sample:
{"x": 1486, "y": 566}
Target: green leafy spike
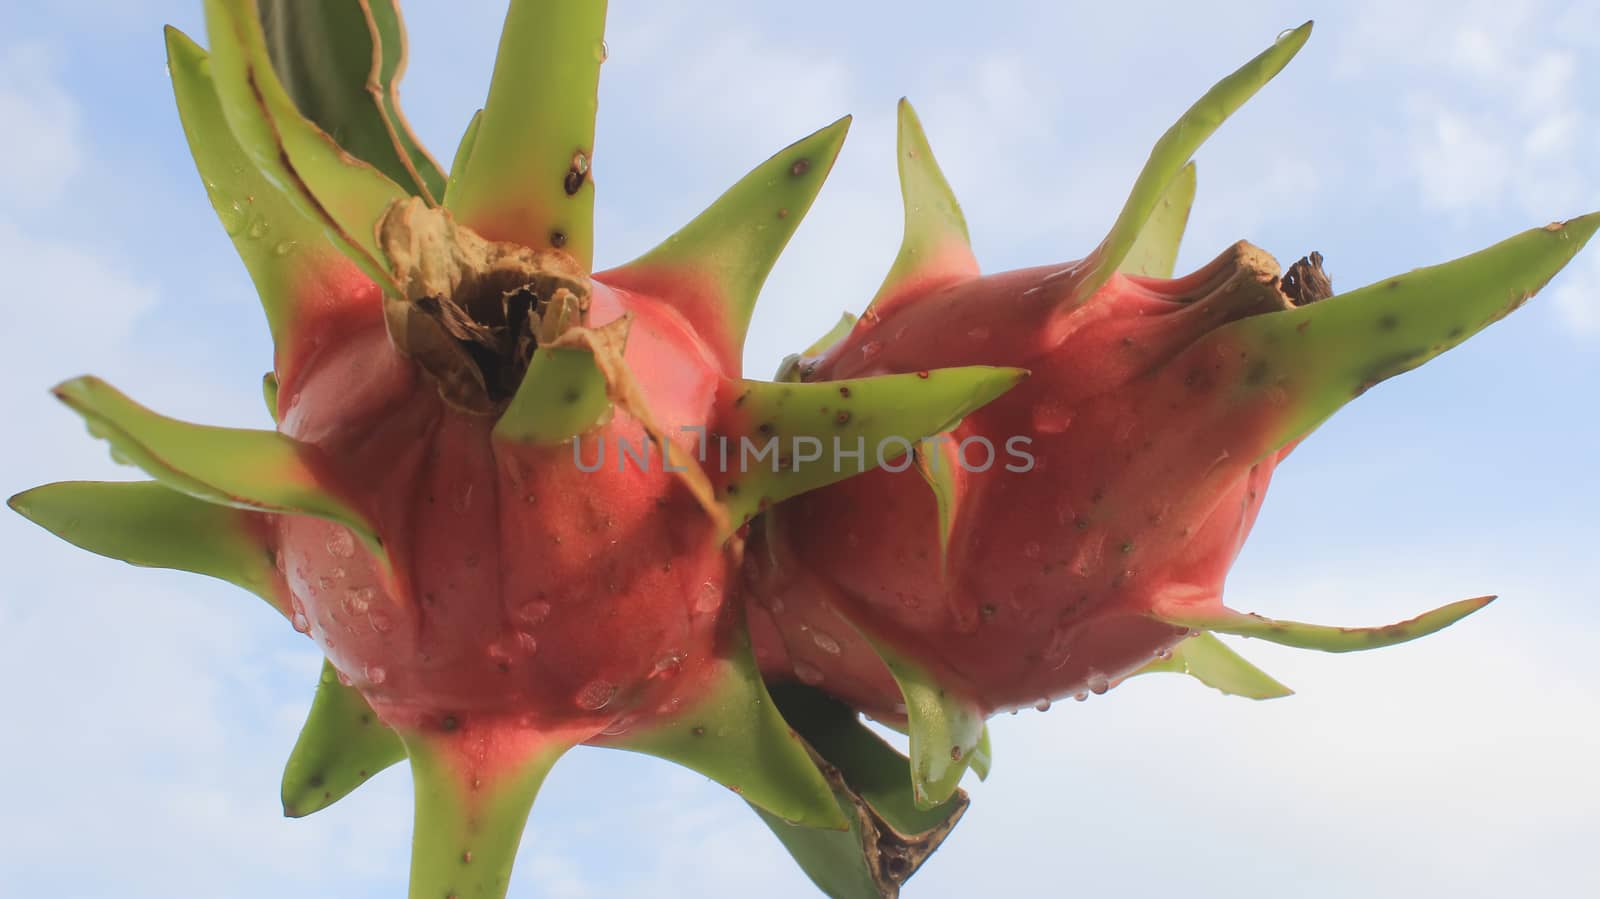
{"x": 341, "y": 746}
{"x": 936, "y": 249}
{"x": 889, "y": 836}
{"x": 714, "y": 267}
{"x": 798, "y": 437}
{"x": 1173, "y": 150}
{"x": 246, "y": 469}
{"x": 563, "y": 394}
{"x": 1324, "y": 354}
{"x": 458, "y": 165}
{"x": 345, "y": 195}
{"x": 734, "y": 735}
{"x": 1155, "y": 252}
{"x": 1210, "y": 661}
{"x": 528, "y": 179}
{"x": 341, "y": 61}
{"x": 945, "y": 729}
{"x": 937, "y": 465}
{"x": 983, "y": 756}
{"x": 146, "y": 524}
{"x": 1322, "y": 637}
{"x": 269, "y": 394}
{"x": 468, "y": 827}
{"x": 271, "y": 235}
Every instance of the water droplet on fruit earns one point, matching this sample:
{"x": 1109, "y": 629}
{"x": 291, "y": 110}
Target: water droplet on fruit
{"x": 526, "y": 643}
{"x": 1284, "y": 34}
{"x": 376, "y": 674}
{"x": 1098, "y": 683}
{"x": 284, "y": 247}
{"x": 620, "y": 726}
{"x": 463, "y": 500}
{"x": 1080, "y": 697}
{"x": 1164, "y": 655}
{"x": 809, "y": 674}
{"x": 1051, "y": 417}
{"x": 709, "y": 599}
{"x": 259, "y": 227}
{"x": 381, "y": 621}
{"x": 1032, "y": 549}
{"x": 602, "y": 52}
{"x": 669, "y": 664}
{"x": 341, "y": 545}
{"x": 533, "y": 612}
{"x": 580, "y": 163}
{"x": 871, "y": 349}
{"x": 233, "y": 218}
{"x": 595, "y": 695}
{"x": 300, "y": 622}
{"x": 1043, "y": 704}
{"x": 358, "y": 599}
{"x": 825, "y": 642}
{"x": 344, "y": 680}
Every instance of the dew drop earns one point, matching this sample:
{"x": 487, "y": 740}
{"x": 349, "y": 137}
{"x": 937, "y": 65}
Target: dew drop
{"x": 1284, "y": 34}
{"x": 602, "y": 52}
{"x": 669, "y": 664}
{"x": 580, "y": 163}
{"x": 533, "y": 612}
{"x": 1043, "y": 704}
{"x": 1051, "y": 417}
{"x": 376, "y": 674}
{"x": 620, "y": 726}
{"x": 1080, "y": 697}
{"x": 595, "y": 695}
{"x": 358, "y": 599}
{"x": 233, "y": 218}
{"x": 284, "y": 247}
{"x": 341, "y": 545}
{"x": 258, "y": 228}
{"x": 825, "y": 642}
{"x": 1098, "y": 683}
{"x": 871, "y": 349}
{"x": 709, "y": 599}
{"x": 526, "y": 643}
{"x": 300, "y": 622}
{"x": 1032, "y": 549}
{"x": 809, "y": 674}
{"x": 381, "y": 621}
{"x": 344, "y": 680}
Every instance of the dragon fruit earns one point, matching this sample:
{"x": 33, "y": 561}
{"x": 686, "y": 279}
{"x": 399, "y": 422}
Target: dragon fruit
{"x": 1079, "y": 529}
{"x": 489, "y": 499}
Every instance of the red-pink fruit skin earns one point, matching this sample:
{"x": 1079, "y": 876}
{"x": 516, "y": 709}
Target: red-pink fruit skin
{"x": 523, "y": 592}
{"x": 1141, "y": 493}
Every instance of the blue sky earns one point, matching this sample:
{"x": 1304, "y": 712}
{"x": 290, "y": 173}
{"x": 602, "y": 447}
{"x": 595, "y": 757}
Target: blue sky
{"x": 149, "y": 712}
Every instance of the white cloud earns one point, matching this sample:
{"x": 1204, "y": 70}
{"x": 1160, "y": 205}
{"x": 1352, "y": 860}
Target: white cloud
{"x": 41, "y": 146}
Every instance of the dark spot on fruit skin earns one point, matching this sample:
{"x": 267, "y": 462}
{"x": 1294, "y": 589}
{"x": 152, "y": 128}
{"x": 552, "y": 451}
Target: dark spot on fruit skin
{"x": 1127, "y": 548}
{"x": 315, "y": 781}
{"x": 571, "y": 396}
{"x": 783, "y": 213}
{"x": 449, "y": 723}
{"x": 698, "y": 731}
{"x": 765, "y": 427}
{"x": 955, "y": 753}
{"x": 1456, "y": 332}
{"x": 739, "y": 400}
{"x": 366, "y": 719}
{"x": 466, "y": 857}
{"x": 923, "y": 375}
{"x": 843, "y": 418}
{"x": 1257, "y": 374}
{"x": 1388, "y": 323}
{"x": 558, "y": 239}
{"x": 733, "y": 489}
{"x": 987, "y": 610}
{"x": 844, "y": 392}
{"x": 800, "y": 167}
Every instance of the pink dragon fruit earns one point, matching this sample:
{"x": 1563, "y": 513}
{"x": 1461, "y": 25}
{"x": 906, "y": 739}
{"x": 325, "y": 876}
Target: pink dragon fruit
{"x": 485, "y": 500}
{"x": 1079, "y": 529}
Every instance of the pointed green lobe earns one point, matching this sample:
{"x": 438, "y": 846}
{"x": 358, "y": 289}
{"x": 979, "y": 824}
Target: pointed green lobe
{"x": 467, "y": 829}
{"x": 1325, "y": 354}
{"x": 789, "y": 369}
{"x": 1321, "y": 637}
{"x": 1172, "y": 152}
{"x": 889, "y": 836}
{"x": 713, "y": 268}
{"x": 563, "y": 394}
{"x": 245, "y": 469}
{"x": 341, "y": 746}
{"x": 271, "y": 235}
{"x": 946, "y": 730}
{"x": 458, "y": 165}
{"x": 735, "y": 736}
{"x": 341, "y": 61}
{"x": 1155, "y": 251}
{"x": 528, "y": 179}
{"x": 836, "y": 419}
{"x": 936, "y": 248}
{"x": 1210, "y": 661}
{"x": 344, "y": 194}
{"x": 145, "y": 523}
